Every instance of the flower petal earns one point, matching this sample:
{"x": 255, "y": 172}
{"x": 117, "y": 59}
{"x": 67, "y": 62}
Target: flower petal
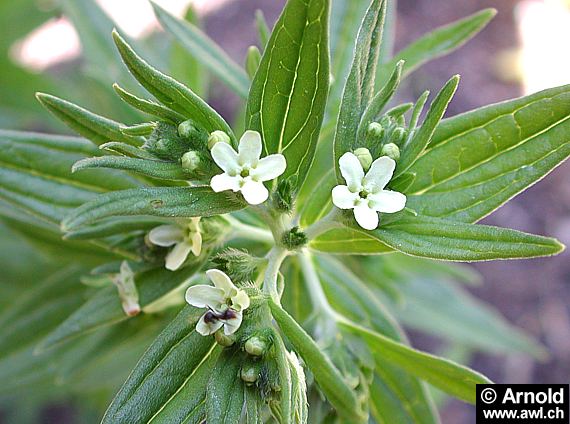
{"x": 204, "y": 296}
{"x": 254, "y": 192}
{"x": 166, "y": 235}
{"x": 379, "y": 174}
{"x": 222, "y": 282}
{"x": 231, "y": 325}
{"x": 343, "y": 198}
{"x": 367, "y": 218}
{"x": 196, "y": 244}
{"x": 223, "y": 182}
{"x": 225, "y": 157}
{"x": 249, "y": 148}
{"x": 240, "y": 301}
{"x": 387, "y": 201}
{"x": 351, "y": 171}
{"x": 269, "y": 167}
{"x": 177, "y": 255}
{"x": 208, "y": 328}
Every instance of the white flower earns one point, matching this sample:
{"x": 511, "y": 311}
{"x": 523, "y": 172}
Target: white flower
{"x": 185, "y": 237}
{"x": 365, "y": 193}
{"x": 225, "y": 303}
{"x": 245, "y": 171}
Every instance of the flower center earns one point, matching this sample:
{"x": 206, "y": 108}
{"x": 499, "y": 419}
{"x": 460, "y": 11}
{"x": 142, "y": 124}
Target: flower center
{"x": 363, "y": 194}
{"x": 244, "y": 172}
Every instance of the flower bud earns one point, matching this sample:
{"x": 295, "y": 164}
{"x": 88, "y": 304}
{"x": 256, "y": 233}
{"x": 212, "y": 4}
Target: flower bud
{"x": 249, "y": 374}
{"x": 391, "y": 150}
{"x": 364, "y": 157}
{"x": 398, "y": 135}
{"x": 223, "y": 340}
{"x": 191, "y": 160}
{"x": 187, "y": 129}
{"x": 375, "y": 130}
{"x": 256, "y": 346}
{"x": 217, "y": 137}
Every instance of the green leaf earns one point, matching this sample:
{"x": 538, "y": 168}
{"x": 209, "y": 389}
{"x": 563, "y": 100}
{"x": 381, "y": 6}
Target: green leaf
{"x": 114, "y": 226}
{"x": 91, "y": 126}
{"x": 263, "y": 31}
{"x": 359, "y": 88}
{"x": 170, "y": 92}
{"x": 479, "y": 160}
{"x": 127, "y": 150}
{"x": 439, "y": 307}
{"x": 455, "y": 379}
{"x": 36, "y": 178}
{"x": 148, "y": 106}
{"x": 421, "y": 138}
{"x": 437, "y": 43}
{"x": 289, "y": 92}
{"x": 182, "y": 202}
{"x": 225, "y": 392}
{"x": 104, "y": 307}
{"x": 252, "y": 61}
{"x": 169, "y": 382}
{"x": 151, "y": 168}
{"x": 329, "y": 379}
{"x": 449, "y": 240}
{"x": 348, "y": 241}
{"x": 205, "y": 50}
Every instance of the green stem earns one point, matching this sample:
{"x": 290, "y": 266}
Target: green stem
{"x": 316, "y": 292}
{"x": 275, "y": 258}
{"x": 241, "y": 230}
{"x": 328, "y": 222}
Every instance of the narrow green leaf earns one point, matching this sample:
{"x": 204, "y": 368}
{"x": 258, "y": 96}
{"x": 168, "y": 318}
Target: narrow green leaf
{"x": 437, "y": 43}
{"x": 289, "y": 92}
{"x": 326, "y": 374}
{"x": 169, "y": 382}
{"x": 170, "y": 92}
{"x": 421, "y": 138}
{"x": 91, "y": 126}
{"x": 449, "y": 240}
{"x": 252, "y": 61}
{"x": 104, "y": 308}
{"x": 151, "y": 168}
{"x": 479, "y": 160}
{"x": 204, "y": 49}
{"x": 359, "y": 88}
{"x": 113, "y": 226}
{"x": 184, "y": 202}
{"x": 379, "y": 101}
{"x": 253, "y": 413}
{"x": 347, "y": 241}
{"x": 455, "y": 379}
{"x": 263, "y": 31}
{"x": 225, "y": 392}
{"x": 127, "y": 150}
{"x": 148, "y": 106}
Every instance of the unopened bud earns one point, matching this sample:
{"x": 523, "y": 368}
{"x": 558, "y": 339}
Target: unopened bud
{"x": 364, "y": 157}
{"x": 190, "y": 160}
{"x": 256, "y": 346}
{"x": 391, "y": 150}
{"x": 223, "y": 340}
{"x": 217, "y": 137}
{"x": 128, "y": 293}
{"x": 249, "y": 374}
{"x": 187, "y": 129}
{"x": 398, "y": 135}
{"x": 375, "y": 130}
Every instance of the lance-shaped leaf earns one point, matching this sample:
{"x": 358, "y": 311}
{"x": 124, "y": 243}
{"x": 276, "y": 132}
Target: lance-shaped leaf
{"x": 151, "y": 168}
{"x": 113, "y": 226}
{"x": 36, "y": 178}
{"x": 479, "y": 160}
{"x": 421, "y": 138}
{"x": 452, "y": 378}
{"x": 349, "y": 241}
{"x": 169, "y": 382}
{"x": 173, "y": 202}
{"x": 437, "y": 43}
{"x": 329, "y": 379}
{"x": 104, "y": 308}
{"x": 289, "y": 92}
{"x": 127, "y": 150}
{"x": 263, "y": 31}
{"x": 91, "y": 126}
{"x": 449, "y": 240}
{"x": 148, "y": 106}
{"x": 170, "y": 92}
{"x": 225, "y": 392}
{"x": 205, "y": 50}
{"x": 359, "y": 88}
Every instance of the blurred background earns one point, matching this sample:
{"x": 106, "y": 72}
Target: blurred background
{"x": 523, "y": 50}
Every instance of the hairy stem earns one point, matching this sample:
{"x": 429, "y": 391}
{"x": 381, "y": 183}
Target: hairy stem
{"x": 241, "y": 230}
{"x": 275, "y": 258}
{"x": 328, "y": 222}
{"x": 318, "y": 297}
